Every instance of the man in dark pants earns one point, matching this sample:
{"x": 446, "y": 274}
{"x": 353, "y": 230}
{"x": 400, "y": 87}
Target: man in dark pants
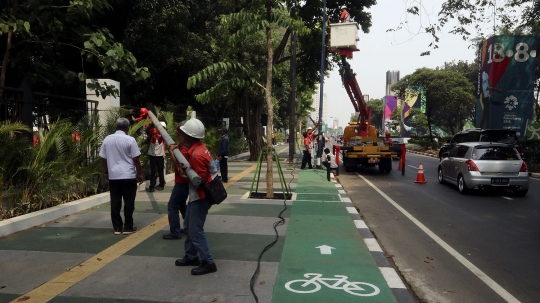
{"x": 306, "y": 159}
{"x": 223, "y": 155}
{"x": 122, "y": 169}
{"x": 156, "y": 156}
{"x": 196, "y": 244}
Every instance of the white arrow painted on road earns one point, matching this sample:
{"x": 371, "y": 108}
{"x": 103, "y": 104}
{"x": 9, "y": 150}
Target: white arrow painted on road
{"x": 325, "y": 249}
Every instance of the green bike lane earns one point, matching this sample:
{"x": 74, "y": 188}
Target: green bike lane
{"x": 325, "y": 258}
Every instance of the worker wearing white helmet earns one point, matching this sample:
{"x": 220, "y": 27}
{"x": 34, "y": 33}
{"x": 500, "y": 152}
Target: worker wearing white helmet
{"x": 344, "y": 17}
{"x": 197, "y": 251}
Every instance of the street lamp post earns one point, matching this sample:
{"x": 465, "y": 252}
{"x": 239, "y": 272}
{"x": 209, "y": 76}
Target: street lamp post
{"x": 321, "y": 86}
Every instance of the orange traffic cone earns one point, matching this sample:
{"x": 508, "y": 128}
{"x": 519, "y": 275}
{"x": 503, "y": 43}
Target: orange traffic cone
{"x": 420, "y": 176}
{"x": 400, "y": 163}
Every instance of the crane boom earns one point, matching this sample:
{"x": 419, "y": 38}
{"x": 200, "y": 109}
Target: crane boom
{"x": 357, "y": 99}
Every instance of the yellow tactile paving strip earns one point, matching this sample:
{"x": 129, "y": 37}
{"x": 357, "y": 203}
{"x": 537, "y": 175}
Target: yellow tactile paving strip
{"x": 62, "y": 282}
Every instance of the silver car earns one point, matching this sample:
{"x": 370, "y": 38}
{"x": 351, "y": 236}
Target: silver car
{"x": 481, "y": 165}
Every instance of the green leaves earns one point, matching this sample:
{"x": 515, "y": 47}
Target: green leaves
{"x": 111, "y": 56}
{"x": 103, "y": 89}
{"x": 9, "y": 22}
{"x": 217, "y": 69}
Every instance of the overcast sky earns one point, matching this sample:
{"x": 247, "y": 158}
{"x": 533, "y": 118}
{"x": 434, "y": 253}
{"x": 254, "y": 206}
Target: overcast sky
{"x": 381, "y": 51}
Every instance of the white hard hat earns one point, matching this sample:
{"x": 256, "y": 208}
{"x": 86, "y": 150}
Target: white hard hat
{"x": 163, "y": 123}
{"x": 343, "y": 7}
{"x": 193, "y": 128}
{"x": 309, "y": 127}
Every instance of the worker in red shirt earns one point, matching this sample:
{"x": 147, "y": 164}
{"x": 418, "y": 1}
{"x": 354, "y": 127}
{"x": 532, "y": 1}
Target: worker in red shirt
{"x": 344, "y": 17}
{"x": 388, "y": 140}
{"x": 200, "y": 160}
{"x": 306, "y": 159}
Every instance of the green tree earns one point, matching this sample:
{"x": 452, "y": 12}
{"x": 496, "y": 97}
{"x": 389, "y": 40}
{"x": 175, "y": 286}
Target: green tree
{"x": 249, "y": 24}
{"x": 448, "y": 96}
{"x": 52, "y": 42}
{"x": 376, "y": 106}
{"x": 418, "y": 120}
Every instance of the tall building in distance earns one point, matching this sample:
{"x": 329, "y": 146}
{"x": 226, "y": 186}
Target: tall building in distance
{"x": 392, "y": 77}
{"x": 315, "y": 114}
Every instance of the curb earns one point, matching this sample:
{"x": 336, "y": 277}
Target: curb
{"x": 32, "y": 219}
{"x": 394, "y": 281}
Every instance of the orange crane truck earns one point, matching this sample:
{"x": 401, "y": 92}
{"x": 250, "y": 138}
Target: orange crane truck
{"x": 361, "y": 145}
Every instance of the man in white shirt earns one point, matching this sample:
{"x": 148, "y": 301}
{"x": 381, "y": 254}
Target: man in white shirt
{"x": 122, "y": 168}
{"x": 330, "y": 163}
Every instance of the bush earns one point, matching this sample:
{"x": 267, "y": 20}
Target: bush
{"x": 423, "y": 143}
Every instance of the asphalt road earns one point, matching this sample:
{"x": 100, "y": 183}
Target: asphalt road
{"x": 482, "y": 247}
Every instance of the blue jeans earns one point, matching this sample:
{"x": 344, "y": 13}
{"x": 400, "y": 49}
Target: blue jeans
{"x": 177, "y": 202}
{"x": 196, "y": 242}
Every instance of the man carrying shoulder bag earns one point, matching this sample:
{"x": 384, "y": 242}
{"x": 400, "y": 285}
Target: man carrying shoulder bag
{"x": 197, "y": 251}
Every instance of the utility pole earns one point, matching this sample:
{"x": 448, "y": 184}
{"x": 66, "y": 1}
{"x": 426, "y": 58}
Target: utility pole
{"x": 292, "y": 98}
{"x": 321, "y": 86}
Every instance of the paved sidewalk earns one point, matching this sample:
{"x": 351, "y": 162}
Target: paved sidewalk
{"x": 76, "y": 258}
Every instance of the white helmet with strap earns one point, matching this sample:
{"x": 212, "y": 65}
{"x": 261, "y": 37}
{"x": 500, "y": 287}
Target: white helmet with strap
{"x": 193, "y": 128}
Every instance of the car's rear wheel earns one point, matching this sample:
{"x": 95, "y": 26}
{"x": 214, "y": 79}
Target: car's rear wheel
{"x": 520, "y": 192}
{"x": 462, "y": 186}
{"x": 440, "y": 176}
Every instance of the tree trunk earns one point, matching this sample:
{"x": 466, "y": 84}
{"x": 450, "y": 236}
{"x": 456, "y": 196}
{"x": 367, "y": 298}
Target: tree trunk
{"x": 429, "y": 126}
{"x": 270, "y": 108}
{"x": 252, "y": 126}
{"x": 5, "y": 60}
{"x": 8, "y": 49}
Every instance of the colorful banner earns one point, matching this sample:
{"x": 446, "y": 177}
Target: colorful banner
{"x": 414, "y": 98}
{"x": 389, "y": 105}
{"x": 532, "y": 130}
{"x": 505, "y": 91}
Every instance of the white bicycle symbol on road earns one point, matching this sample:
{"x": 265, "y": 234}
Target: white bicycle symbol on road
{"x": 314, "y": 285}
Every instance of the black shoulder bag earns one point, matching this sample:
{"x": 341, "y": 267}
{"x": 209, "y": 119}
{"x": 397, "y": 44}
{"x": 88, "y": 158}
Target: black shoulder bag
{"x": 215, "y": 191}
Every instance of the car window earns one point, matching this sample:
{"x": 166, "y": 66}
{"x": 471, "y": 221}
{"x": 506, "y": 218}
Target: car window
{"x": 458, "y": 151}
{"x": 458, "y": 138}
{"x": 462, "y": 150}
{"x": 500, "y": 137}
{"x": 472, "y": 137}
{"x": 495, "y": 153}
{"x": 453, "y": 151}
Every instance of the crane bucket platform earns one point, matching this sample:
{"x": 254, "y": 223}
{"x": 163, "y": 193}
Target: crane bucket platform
{"x": 343, "y": 38}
